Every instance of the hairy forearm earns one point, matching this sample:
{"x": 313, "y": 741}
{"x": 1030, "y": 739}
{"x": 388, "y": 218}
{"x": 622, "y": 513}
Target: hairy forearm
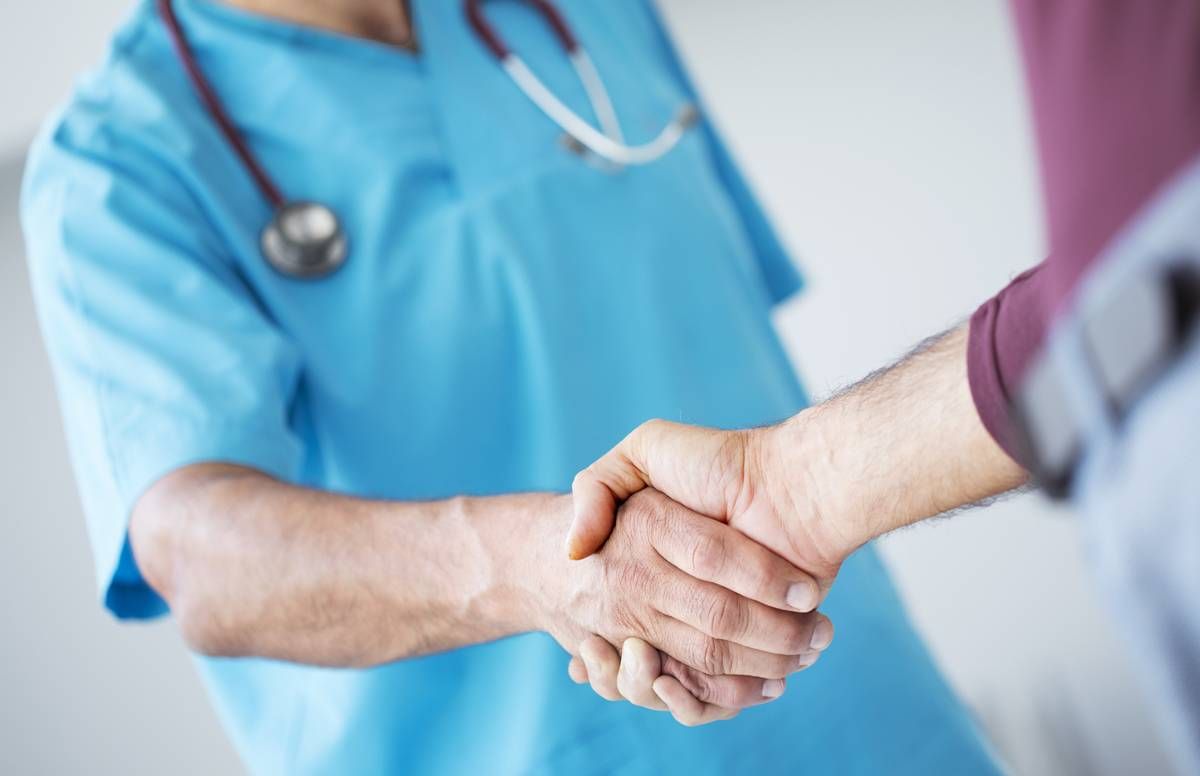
{"x": 255, "y": 567}
{"x": 904, "y": 444}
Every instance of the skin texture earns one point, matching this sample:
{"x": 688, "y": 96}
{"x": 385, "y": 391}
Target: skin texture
{"x": 903, "y": 445}
{"x": 384, "y": 21}
{"x": 255, "y": 567}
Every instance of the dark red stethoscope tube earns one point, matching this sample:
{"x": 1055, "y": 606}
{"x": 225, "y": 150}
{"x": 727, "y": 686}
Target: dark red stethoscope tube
{"x": 215, "y": 109}
{"x": 496, "y": 44}
{"x": 475, "y": 16}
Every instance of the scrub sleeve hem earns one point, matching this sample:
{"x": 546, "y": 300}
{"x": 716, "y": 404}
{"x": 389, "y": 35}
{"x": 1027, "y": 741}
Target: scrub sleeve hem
{"x": 172, "y": 446}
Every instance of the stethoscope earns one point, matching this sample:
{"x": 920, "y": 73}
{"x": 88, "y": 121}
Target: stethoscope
{"x": 304, "y": 239}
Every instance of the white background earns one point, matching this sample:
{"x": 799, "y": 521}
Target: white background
{"x": 892, "y": 148}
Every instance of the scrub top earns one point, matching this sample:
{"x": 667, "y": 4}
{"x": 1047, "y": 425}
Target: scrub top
{"x": 507, "y": 313}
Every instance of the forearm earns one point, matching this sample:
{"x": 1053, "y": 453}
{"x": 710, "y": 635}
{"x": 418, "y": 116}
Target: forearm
{"x": 252, "y": 566}
{"x": 904, "y": 444}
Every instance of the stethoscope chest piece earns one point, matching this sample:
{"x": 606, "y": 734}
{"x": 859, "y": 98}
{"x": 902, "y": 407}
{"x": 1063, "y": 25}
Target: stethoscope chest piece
{"x": 304, "y": 240}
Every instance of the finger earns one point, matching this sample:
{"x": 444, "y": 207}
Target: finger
{"x": 722, "y": 614}
{"x": 715, "y": 656}
{"x": 602, "y": 662}
{"x": 677, "y": 459}
{"x": 595, "y": 513}
{"x": 640, "y": 666}
{"x": 577, "y": 671}
{"x": 686, "y": 709}
{"x": 596, "y": 492}
{"x": 731, "y": 692}
{"x": 710, "y": 550}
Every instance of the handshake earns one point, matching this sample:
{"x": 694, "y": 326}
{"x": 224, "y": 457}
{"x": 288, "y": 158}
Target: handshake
{"x": 709, "y": 551}
{"x": 715, "y": 556}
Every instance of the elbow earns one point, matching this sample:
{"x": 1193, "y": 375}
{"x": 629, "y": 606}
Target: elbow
{"x": 205, "y": 631}
{"x": 205, "y": 623}
{"x": 168, "y": 538}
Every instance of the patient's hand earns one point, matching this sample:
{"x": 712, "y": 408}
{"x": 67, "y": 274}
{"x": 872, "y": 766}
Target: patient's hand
{"x": 736, "y": 478}
{"x": 903, "y": 445}
{"x": 745, "y": 479}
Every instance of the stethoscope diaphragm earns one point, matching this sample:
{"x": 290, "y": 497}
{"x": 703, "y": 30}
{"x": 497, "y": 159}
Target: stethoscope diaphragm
{"x": 304, "y": 240}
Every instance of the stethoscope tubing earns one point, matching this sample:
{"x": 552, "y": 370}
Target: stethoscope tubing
{"x": 287, "y": 242}
{"x": 215, "y": 109}
{"x": 578, "y": 129}
{"x": 608, "y": 142}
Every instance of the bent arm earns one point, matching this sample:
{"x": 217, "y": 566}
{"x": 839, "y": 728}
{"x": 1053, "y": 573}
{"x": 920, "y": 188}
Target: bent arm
{"x": 252, "y": 566}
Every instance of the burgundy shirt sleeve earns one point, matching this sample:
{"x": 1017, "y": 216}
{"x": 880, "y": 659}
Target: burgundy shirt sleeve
{"x": 1004, "y": 332}
{"x": 1115, "y": 94}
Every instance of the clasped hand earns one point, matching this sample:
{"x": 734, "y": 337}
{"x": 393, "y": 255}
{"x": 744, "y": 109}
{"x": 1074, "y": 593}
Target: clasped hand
{"x": 731, "y": 618}
{"x": 727, "y": 571}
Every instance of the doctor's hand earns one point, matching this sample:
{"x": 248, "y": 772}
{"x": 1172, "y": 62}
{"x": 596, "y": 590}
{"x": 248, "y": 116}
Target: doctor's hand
{"x": 713, "y": 602}
{"x": 646, "y": 677}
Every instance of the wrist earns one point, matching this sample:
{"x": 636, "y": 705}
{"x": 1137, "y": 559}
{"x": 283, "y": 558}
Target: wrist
{"x": 813, "y": 455}
{"x": 523, "y": 537}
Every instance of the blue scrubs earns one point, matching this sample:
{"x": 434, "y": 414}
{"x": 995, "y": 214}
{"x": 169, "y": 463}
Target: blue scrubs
{"x": 507, "y": 313}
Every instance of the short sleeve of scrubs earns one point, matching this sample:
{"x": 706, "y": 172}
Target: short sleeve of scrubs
{"x": 161, "y": 355}
{"x": 779, "y": 273}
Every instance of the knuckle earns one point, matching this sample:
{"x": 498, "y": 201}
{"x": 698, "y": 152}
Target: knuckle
{"x": 645, "y": 506}
{"x": 759, "y": 575}
{"x": 709, "y": 556}
{"x": 707, "y": 688}
{"x": 714, "y": 656}
{"x": 727, "y": 692}
{"x": 724, "y": 615}
{"x": 699, "y": 685}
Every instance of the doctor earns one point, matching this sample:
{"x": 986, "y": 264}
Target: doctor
{"x": 321, "y": 283}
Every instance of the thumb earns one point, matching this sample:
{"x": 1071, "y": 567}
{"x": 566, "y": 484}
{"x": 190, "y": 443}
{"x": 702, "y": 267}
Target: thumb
{"x": 596, "y": 493}
{"x": 680, "y": 461}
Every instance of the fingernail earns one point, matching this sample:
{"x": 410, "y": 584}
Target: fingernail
{"x": 572, "y": 543}
{"x": 773, "y": 688}
{"x": 802, "y": 596}
{"x": 822, "y": 635}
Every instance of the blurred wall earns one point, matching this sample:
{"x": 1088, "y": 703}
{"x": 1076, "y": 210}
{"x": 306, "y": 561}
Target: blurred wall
{"x": 45, "y": 43}
{"x": 892, "y": 149}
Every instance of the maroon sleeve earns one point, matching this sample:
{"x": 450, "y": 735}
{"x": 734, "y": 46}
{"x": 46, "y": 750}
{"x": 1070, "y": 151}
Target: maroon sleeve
{"x": 1115, "y": 94}
{"x": 1005, "y": 332}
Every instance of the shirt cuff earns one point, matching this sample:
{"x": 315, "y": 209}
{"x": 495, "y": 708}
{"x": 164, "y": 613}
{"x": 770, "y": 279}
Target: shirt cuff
{"x": 1005, "y": 333}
